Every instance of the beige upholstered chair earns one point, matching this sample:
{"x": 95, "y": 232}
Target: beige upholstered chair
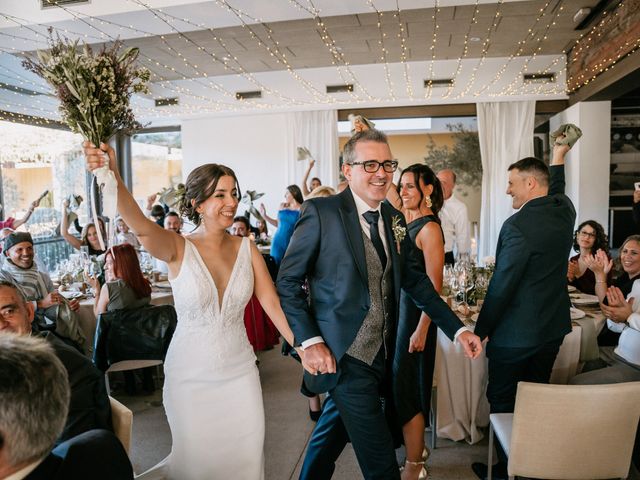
{"x": 569, "y": 431}
{"x": 122, "y": 420}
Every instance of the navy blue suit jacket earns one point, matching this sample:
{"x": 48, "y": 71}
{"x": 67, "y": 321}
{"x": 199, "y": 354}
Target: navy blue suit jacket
{"x": 527, "y": 304}
{"x": 95, "y": 455}
{"x": 327, "y": 250}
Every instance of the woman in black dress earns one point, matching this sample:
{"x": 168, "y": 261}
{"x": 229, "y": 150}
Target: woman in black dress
{"x": 419, "y": 197}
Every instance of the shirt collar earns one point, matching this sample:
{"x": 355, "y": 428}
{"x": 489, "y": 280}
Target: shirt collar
{"x": 363, "y": 206}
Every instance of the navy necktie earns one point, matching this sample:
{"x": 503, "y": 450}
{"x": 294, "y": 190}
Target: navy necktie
{"x": 372, "y": 217}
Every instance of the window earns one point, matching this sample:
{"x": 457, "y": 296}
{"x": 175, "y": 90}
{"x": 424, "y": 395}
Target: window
{"x": 32, "y": 161}
{"x": 156, "y": 162}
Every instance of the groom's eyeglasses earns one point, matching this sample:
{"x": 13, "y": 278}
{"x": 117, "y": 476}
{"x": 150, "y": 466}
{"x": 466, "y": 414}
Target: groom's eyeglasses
{"x": 372, "y": 166}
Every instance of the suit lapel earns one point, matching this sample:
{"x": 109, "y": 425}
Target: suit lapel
{"x": 387, "y": 218}
{"x": 353, "y": 230}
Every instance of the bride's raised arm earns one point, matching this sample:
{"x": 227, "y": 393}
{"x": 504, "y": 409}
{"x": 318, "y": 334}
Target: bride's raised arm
{"x": 163, "y": 244}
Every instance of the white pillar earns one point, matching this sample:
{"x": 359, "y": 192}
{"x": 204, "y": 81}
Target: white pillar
{"x": 587, "y": 164}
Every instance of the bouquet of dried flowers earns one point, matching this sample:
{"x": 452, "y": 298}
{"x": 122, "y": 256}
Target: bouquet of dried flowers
{"x": 94, "y": 90}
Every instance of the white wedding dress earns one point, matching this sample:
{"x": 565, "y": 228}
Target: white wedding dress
{"x": 212, "y": 394}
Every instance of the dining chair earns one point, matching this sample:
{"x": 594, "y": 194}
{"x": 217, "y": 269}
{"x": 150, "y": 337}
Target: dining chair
{"x": 568, "y": 431}
{"x": 133, "y": 339}
{"x": 122, "y": 421}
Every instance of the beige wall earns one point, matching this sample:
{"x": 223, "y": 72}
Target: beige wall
{"x": 31, "y": 183}
{"x": 410, "y": 149}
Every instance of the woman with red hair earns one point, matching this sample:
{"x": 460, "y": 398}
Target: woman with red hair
{"x": 125, "y": 288}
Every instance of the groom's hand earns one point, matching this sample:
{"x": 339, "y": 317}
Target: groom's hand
{"x": 318, "y": 359}
{"x": 471, "y": 344}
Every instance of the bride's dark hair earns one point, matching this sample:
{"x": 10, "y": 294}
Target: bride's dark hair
{"x": 200, "y": 185}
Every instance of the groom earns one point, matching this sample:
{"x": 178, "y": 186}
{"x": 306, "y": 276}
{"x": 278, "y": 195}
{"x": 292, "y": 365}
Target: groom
{"x": 356, "y": 255}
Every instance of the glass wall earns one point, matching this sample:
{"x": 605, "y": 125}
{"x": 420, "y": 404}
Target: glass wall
{"x": 156, "y": 163}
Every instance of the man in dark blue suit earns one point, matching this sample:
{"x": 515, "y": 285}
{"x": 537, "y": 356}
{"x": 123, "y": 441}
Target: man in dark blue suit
{"x": 356, "y": 256}
{"x": 526, "y": 311}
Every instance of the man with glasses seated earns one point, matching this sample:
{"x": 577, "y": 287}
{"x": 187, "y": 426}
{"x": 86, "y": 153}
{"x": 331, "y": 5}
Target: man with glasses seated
{"x": 53, "y": 311}
{"x": 354, "y": 252}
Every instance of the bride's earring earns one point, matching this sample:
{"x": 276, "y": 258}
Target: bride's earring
{"x": 201, "y": 217}
{"x": 427, "y": 201}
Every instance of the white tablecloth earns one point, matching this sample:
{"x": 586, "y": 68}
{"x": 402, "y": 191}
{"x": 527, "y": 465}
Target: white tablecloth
{"x": 88, "y": 320}
{"x": 462, "y": 406}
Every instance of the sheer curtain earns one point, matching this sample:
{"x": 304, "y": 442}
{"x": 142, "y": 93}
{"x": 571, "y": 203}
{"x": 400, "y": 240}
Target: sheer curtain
{"x": 317, "y": 131}
{"x": 505, "y": 131}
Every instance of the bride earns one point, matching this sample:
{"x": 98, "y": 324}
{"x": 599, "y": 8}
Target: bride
{"x": 212, "y": 394}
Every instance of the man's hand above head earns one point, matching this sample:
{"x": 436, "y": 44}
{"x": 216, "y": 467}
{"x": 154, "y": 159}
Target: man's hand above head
{"x": 471, "y": 344}
{"x": 318, "y": 359}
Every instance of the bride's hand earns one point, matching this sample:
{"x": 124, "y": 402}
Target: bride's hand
{"x": 96, "y": 156}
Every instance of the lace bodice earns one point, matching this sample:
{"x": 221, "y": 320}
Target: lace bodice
{"x": 202, "y": 321}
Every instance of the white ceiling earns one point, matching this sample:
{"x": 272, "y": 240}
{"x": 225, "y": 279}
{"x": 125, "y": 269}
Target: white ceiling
{"x": 491, "y": 69}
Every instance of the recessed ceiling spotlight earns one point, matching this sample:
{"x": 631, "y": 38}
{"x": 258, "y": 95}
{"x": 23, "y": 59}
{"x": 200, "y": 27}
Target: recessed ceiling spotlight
{"x": 474, "y": 39}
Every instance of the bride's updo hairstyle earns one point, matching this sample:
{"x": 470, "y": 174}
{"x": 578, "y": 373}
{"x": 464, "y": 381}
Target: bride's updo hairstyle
{"x": 200, "y": 185}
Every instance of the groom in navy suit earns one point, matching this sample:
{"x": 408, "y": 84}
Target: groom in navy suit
{"x": 355, "y": 253}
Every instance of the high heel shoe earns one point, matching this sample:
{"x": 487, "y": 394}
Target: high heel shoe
{"x": 315, "y": 415}
{"x": 426, "y": 453}
{"x": 423, "y": 475}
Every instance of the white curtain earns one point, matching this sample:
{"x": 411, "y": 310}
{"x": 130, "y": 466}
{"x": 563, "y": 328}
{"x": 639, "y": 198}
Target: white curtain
{"x": 317, "y": 131}
{"x": 505, "y": 131}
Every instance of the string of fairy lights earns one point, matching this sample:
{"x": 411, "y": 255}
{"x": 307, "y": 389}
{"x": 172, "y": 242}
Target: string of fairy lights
{"x": 201, "y": 92}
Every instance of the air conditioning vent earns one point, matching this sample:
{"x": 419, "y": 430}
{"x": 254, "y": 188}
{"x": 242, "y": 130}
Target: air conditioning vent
{"x": 55, "y": 3}
{"x": 439, "y": 82}
{"x": 348, "y": 87}
{"x": 539, "y": 77}
{"x": 248, "y": 95}
{"x": 165, "y": 102}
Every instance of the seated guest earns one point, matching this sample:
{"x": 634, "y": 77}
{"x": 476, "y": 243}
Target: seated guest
{"x": 622, "y": 363}
{"x": 263, "y": 232}
{"x": 125, "y": 288}
{"x": 88, "y": 406}
{"x": 601, "y": 265}
{"x": 53, "y": 311}
{"x": 172, "y": 221}
{"x": 588, "y": 239}
{"x": 241, "y": 227}
{"x": 88, "y": 236}
{"x": 34, "y": 400}
{"x": 124, "y": 235}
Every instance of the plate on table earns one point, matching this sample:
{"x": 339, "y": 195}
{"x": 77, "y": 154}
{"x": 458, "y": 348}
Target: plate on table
{"x": 571, "y": 288}
{"x": 584, "y": 299}
{"x": 164, "y": 284}
{"x": 576, "y": 313}
{"x": 71, "y": 294}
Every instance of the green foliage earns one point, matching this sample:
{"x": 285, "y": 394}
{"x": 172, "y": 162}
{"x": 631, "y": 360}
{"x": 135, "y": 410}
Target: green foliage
{"x": 463, "y": 158}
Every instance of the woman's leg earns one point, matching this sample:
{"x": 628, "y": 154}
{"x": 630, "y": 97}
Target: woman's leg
{"x": 413, "y": 433}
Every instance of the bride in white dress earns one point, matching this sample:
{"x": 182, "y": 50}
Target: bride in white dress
{"x": 212, "y": 394}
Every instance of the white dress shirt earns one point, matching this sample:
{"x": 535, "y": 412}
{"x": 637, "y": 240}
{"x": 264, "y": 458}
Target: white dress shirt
{"x": 454, "y": 220}
{"x": 362, "y": 207}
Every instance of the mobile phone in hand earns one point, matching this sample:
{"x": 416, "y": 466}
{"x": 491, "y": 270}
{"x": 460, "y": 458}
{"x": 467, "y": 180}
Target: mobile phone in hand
{"x": 637, "y": 185}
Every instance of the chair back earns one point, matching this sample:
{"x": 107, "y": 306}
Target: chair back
{"x": 122, "y": 421}
{"x": 136, "y": 334}
{"x": 574, "y": 431}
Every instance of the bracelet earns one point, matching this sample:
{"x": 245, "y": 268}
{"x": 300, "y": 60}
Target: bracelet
{"x": 601, "y": 281}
